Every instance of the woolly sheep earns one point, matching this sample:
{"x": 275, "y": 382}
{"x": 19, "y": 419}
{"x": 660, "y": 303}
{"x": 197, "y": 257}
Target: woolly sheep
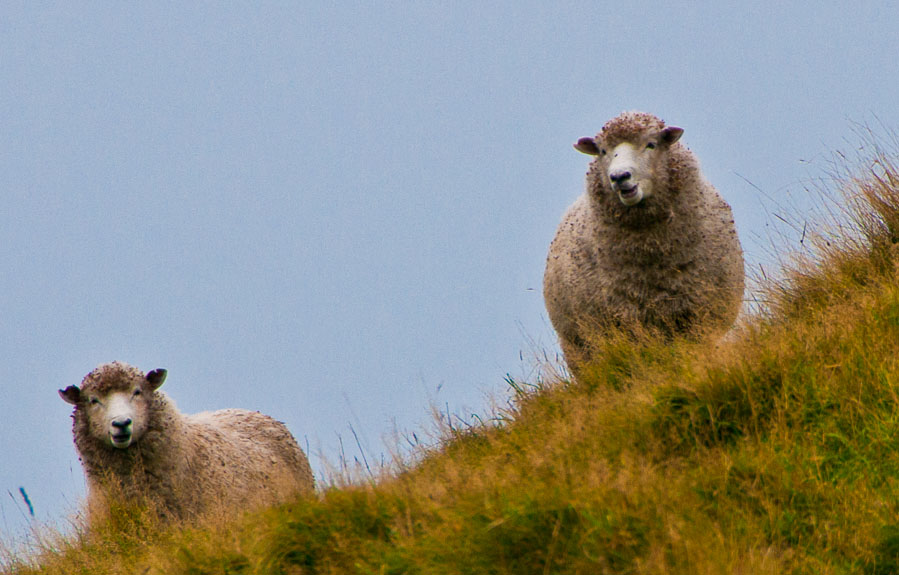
{"x": 649, "y": 244}
{"x": 131, "y": 437}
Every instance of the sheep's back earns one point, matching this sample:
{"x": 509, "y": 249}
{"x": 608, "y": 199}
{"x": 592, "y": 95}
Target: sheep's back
{"x": 245, "y": 456}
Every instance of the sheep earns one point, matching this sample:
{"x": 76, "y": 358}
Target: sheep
{"x": 133, "y": 442}
{"x": 649, "y": 245}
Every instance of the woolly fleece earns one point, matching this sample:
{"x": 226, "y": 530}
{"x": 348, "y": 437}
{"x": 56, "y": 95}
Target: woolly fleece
{"x": 672, "y": 263}
{"x": 188, "y": 465}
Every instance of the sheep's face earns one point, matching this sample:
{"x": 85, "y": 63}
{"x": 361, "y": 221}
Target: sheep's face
{"x": 114, "y": 403}
{"x": 631, "y": 166}
{"x": 118, "y": 417}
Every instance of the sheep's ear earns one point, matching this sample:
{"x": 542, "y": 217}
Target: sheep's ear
{"x": 156, "y": 378}
{"x": 70, "y": 394}
{"x": 587, "y": 146}
{"x": 671, "y": 134}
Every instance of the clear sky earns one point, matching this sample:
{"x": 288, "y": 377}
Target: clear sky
{"x": 338, "y": 213}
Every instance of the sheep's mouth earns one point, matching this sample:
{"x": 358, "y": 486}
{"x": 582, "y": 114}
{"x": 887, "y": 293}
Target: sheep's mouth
{"x": 629, "y": 194}
{"x": 627, "y": 190}
{"x": 120, "y": 440}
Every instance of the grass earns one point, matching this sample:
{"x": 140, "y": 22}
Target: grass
{"x": 776, "y": 451}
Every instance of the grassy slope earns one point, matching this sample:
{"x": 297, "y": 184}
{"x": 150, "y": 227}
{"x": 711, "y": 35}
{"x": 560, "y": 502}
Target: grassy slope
{"x": 776, "y": 452}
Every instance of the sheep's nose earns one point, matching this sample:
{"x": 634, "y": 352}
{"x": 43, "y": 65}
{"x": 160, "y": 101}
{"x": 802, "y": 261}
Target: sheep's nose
{"x": 121, "y": 423}
{"x": 619, "y": 176}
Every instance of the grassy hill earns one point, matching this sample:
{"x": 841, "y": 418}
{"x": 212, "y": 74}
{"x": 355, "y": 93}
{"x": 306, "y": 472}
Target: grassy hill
{"x": 776, "y": 451}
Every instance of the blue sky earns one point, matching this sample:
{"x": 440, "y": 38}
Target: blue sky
{"x": 339, "y": 215}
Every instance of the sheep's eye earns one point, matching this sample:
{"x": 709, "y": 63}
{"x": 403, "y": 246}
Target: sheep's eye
{"x": 94, "y": 401}
{"x": 136, "y": 392}
{"x": 651, "y": 146}
{"x": 602, "y": 151}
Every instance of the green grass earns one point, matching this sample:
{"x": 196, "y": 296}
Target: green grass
{"x": 776, "y": 451}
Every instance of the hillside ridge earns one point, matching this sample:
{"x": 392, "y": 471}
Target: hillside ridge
{"x": 776, "y": 451}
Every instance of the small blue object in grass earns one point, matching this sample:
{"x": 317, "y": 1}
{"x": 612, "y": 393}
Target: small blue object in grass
{"x": 27, "y": 501}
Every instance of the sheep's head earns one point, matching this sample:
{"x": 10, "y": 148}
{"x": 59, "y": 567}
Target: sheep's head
{"x": 632, "y": 154}
{"x": 113, "y": 402}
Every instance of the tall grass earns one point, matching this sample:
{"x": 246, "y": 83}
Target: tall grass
{"x": 776, "y": 451}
